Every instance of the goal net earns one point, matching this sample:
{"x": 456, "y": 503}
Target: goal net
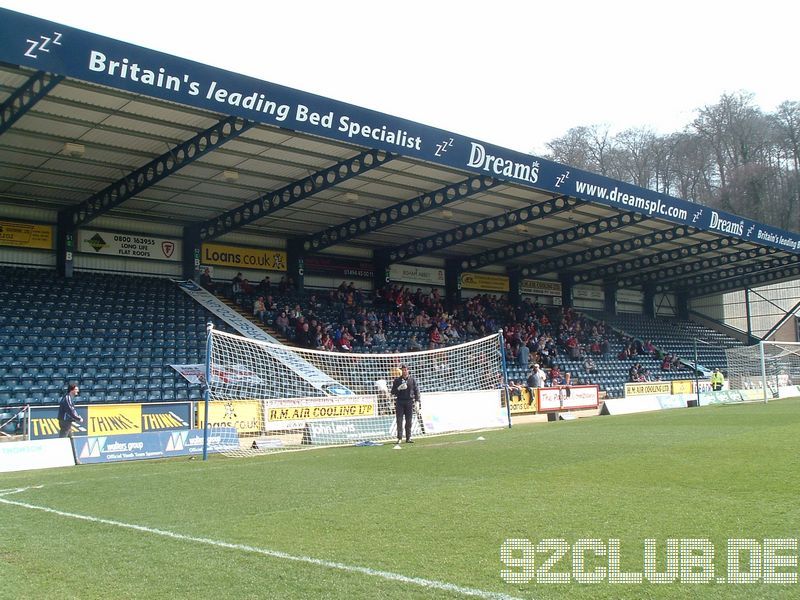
{"x": 765, "y": 370}
{"x": 268, "y": 397}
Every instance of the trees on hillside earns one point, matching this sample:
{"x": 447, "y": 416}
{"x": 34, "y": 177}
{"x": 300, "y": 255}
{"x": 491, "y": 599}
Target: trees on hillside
{"x": 733, "y": 157}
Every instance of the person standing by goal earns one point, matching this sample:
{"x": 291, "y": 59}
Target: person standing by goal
{"x": 67, "y": 414}
{"x": 405, "y": 392}
{"x": 717, "y": 380}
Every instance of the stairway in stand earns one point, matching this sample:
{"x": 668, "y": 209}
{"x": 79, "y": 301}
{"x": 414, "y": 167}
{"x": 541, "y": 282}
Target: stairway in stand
{"x": 250, "y": 317}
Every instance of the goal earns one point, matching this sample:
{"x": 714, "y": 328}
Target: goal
{"x": 765, "y": 370}
{"x": 266, "y": 397}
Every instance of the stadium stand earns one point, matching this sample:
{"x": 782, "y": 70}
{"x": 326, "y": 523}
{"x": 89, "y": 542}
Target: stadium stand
{"x": 118, "y": 334}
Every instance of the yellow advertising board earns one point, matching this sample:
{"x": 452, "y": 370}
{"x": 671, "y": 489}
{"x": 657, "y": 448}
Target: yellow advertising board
{"x": 114, "y": 419}
{"x": 329, "y": 411}
{"x": 682, "y": 387}
{"x": 485, "y": 282}
{"x": 521, "y": 402}
{"x": 269, "y": 259}
{"x": 648, "y": 388}
{"x": 243, "y": 415}
{"x": 26, "y": 235}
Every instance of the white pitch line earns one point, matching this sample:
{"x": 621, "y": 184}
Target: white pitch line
{"x": 388, "y": 575}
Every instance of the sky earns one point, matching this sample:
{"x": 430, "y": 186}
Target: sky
{"x": 513, "y": 73}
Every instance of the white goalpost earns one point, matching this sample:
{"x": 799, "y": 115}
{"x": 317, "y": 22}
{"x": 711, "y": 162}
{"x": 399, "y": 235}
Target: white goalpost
{"x": 765, "y": 370}
{"x": 266, "y": 397}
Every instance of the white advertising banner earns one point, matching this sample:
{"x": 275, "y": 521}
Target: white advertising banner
{"x": 128, "y": 245}
{"x": 414, "y": 274}
{"x": 588, "y": 293}
{"x": 537, "y": 287}
{"x": 36, "y": 454}
{"x": 626, "y": 406}
{"x": 573, "y": 397}
{"x": 462, "y": 411}
{"x": 294, "y": 413}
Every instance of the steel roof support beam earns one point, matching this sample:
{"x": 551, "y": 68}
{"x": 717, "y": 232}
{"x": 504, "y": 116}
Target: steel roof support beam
{"x": 635, "y": 266}
{"x": 757, "y": 279}
{"x": 740, "y": 272}
{"x": 294, "y": 192}
{"x": 678, "y": 270}
{"x": 471, "y": 231}
{"x": 551, "y": 240}
{"x": 157, "y": 169}
{"x": 397, "y": 212}
{"x": 611, "y": 250}
{"x": 26, "y": 97}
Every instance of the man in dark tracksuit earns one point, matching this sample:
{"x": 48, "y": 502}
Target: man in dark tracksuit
{"x": 405, "y": 392}
{"x": 66, "y": 411}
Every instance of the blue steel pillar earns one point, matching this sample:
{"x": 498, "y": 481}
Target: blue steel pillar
{"x": 294, "y": 263}
{"x": 610, "y": 297}
{"x": 452, "y": 282}
{"x": 567, "y": 288}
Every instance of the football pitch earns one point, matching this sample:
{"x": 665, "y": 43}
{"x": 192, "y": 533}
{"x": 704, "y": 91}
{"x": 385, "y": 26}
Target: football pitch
{"x": 582, "y": 499}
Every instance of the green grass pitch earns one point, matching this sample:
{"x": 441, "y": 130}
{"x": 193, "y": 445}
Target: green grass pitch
{"x": 425, "y": 522}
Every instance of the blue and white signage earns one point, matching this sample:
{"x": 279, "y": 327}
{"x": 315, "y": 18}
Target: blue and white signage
{"x": 48, "y": 46}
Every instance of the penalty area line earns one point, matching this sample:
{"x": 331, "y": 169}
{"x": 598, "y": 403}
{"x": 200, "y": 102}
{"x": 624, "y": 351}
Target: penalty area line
{"x": 387, "y": 575}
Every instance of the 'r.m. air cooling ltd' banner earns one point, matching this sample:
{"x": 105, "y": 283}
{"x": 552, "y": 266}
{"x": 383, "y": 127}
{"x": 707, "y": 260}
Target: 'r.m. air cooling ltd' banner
{"x": 26, "y": 235}
{"x": 295, "y": 413}
{"x": 240, "y": 257}
{"x": 484, "y": 282}
{"x": 649, "y": 388}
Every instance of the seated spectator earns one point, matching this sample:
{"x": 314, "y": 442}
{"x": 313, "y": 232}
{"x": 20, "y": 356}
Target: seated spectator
{"x": 644, "y": 374}
{"x": 236, "y": 284}
{"x": 327, "y": 342}
{"x": 413, "y": 344}
{"x": 318, "y": 338}
{"x": 206, "y": 281}
{"x": 260, "y": 309}
{"x": 555, "y": 376}
{"x": 264, "y": 286}
{"x": 346, "y": 341}
{"x": 434, "y": 337}
{"x": 282, "y": 324}
{"x": 572, "y": 345}
{"x": 589, "y": 365}
{"x": 666, "y": 364}
{"x": 379, "y": 337}
{"x": 523, "y": 356}
{"x": 283, "y": 285}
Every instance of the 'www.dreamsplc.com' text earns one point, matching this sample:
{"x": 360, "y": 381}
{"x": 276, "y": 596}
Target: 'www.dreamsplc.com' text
{"x": 679, "y": 560}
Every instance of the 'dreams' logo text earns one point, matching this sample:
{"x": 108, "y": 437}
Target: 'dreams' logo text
{"x": 725, "y": 226}
{"x": 502, "y": 166}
